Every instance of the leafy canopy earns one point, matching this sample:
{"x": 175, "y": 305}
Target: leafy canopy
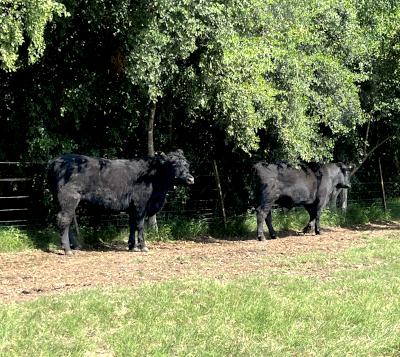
{"x": 23, "y": 22}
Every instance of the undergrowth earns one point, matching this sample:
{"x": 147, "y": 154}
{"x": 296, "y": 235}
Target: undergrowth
{"x": 179, "y": 228}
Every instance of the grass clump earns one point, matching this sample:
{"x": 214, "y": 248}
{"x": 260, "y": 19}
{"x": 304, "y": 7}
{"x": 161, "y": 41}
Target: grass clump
{"x": 14, "y": 239}
{"x": 178, "y": 228}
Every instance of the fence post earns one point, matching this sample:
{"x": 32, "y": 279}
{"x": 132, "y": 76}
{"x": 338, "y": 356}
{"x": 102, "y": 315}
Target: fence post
{"x": 382, "y": 185}
{"x": 221, "y": 197}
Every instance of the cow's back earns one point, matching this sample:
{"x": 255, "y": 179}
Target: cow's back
{"x": 71, "y": 169}
{"x": 298, "y": 185}
{"x": 108, "y": 183}
{"x": 286, "y": 185}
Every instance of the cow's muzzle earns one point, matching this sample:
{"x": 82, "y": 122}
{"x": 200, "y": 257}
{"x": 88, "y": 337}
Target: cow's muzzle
{"x": 190, "y": 180}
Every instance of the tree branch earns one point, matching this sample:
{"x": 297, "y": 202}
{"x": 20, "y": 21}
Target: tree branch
{"x": 369, "y": 154}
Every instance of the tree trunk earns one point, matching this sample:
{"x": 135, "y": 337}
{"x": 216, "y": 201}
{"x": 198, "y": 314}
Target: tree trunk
{"x": 151, "y": 152}
{"x": 221, "y": 196}
{"x": 343, "y": 199}
{"x": 150, "y": 129}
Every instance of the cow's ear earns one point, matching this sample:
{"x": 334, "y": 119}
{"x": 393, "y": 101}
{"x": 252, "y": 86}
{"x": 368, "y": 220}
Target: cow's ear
{"x": 161, "y": 157}
{"x": 345, "y": 167}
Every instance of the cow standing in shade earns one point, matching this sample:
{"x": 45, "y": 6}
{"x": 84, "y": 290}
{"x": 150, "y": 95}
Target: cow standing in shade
{"x": 310, "y": 187}
{"x": 137, "y": 186}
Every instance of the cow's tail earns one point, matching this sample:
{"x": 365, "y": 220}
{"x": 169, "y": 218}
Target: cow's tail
{"x": 52, "y": 176}
{"x": 256, "y": 183}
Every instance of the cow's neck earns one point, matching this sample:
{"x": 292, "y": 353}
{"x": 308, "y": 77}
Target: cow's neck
{"x": 164, "y": 179}
{"x": 327, "y": 180}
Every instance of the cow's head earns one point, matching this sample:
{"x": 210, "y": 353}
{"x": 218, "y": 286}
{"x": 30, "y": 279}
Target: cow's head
{"x": 181, "y": 167}
{"x": 343, "y": 179}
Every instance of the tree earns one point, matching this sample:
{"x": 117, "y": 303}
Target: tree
{"x": 297, "y": 77}
{"x": 277, "y": 79}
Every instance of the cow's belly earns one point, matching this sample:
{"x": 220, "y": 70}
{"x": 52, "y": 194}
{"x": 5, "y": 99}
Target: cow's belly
{"x": 107, "y": 199}
{"x": 295, "y": 197}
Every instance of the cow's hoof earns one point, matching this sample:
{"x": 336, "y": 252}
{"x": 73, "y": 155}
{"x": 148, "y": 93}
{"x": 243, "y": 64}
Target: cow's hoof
{"x": 69, "y": 253}
{"x": 136, "y": 249}
{"x": 306, "y": 230}
{"x": 261, "y": 238}
{"x": 145, "y": 249}
{"x": 273, "y": 236}
{"x": 317, "y": 232}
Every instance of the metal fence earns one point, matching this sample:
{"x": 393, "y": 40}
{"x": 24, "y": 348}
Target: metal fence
{"x": 25, "y": 200}
{"x": 16, "y": 200}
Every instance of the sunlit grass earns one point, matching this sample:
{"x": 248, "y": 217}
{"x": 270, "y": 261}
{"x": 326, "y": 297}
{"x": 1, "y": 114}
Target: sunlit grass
{"x": 354, "y": 311}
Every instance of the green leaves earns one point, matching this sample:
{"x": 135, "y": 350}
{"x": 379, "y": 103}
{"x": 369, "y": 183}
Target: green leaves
{"x": 165, "y": 35}
{"x": 289, "y": 68}
{"x": 25, "y": 21}
{"x": 287, "y": 79}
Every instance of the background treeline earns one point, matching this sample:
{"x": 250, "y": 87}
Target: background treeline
{"x": 235, "y": 81}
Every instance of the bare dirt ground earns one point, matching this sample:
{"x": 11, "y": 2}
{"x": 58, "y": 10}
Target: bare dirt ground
{"x": 28, "y": 275}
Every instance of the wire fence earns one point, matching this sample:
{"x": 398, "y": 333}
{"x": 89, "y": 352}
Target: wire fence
{"x": 25, "y": 200}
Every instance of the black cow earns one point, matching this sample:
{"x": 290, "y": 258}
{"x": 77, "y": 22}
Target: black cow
{"x": 137, "y": 186}
{"x": 310, "y": 186}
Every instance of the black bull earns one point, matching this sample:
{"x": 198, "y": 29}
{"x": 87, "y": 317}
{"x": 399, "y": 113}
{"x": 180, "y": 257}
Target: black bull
{"x": 286, "y": 186}
{"x": 137, "y": 186}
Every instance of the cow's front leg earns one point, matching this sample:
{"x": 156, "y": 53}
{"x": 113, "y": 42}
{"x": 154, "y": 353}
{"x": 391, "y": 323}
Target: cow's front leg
{"x": 261, "y": 215}
{"x": 73, "y": 241}
{"x": 318, "y": 213}
{"x": 141, "y": 245}
{"x": 311, "y": 223}
{"x": 65, "y": 241}
{"x": 317, "y": 226}
{"x": 309, "y": 227}
{"x": 132, "y": 242}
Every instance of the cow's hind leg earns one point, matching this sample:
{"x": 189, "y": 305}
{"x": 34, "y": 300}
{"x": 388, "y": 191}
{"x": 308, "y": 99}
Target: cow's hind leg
{"x": 261, "y": 215}
{"x": 64, "y": 221}
{"x": 68, "y": 204}
{"x": 264, "y": 215}
{"x": 322, "y": 204}
{"x": 271, "y": 230}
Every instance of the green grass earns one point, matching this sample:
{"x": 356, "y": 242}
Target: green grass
{"x": 14, "y": 239}
{"x": 281, "y": 312}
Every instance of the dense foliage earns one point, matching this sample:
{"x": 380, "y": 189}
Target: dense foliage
{"x": 239, "y": 80}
